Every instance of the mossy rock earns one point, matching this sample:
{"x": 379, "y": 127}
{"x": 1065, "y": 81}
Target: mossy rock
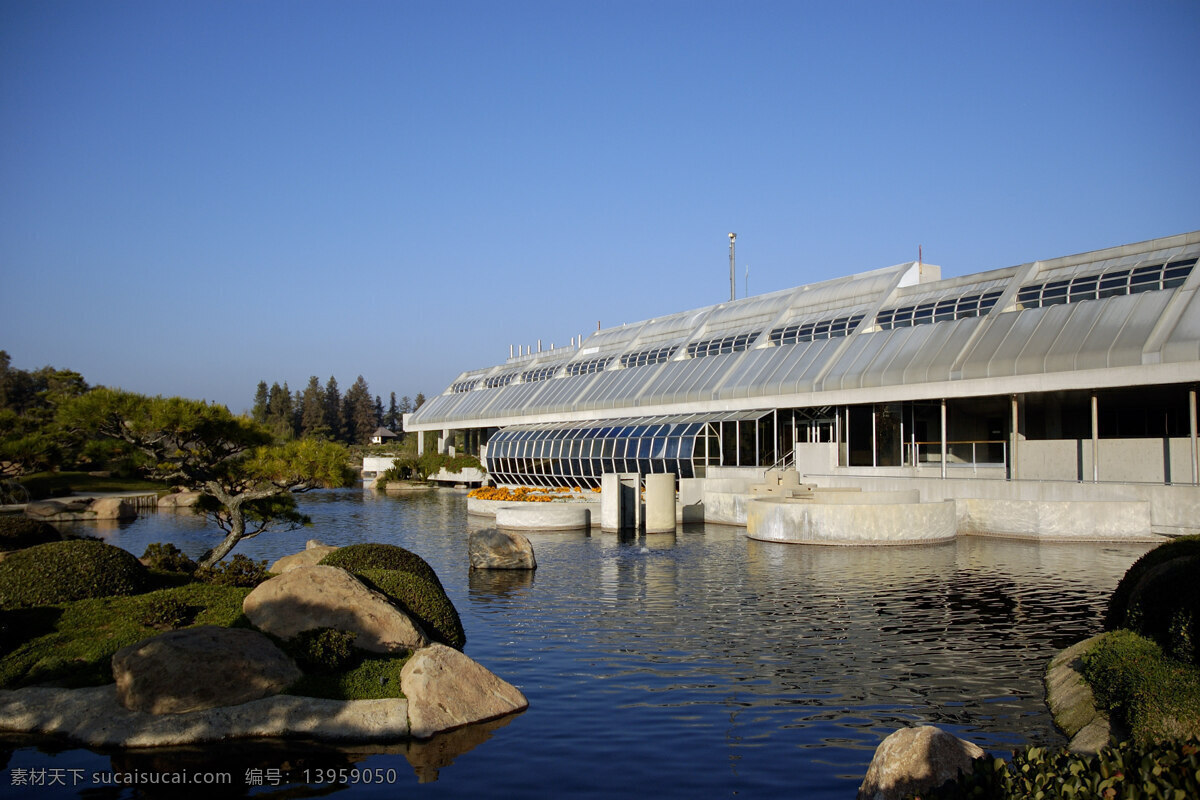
{"x": 359, "y": 557}
{"x": 20, "y": 532}
{"x": 1118, "y": 604}
{"x": 1165, "y": 606}
{"x": 59, "y": 572}
{"x": 423, "y": 600}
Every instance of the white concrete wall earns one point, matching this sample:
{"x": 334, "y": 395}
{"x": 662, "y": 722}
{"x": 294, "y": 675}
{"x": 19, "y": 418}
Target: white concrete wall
{"x": 781, "y": 520}
{"x": 1131, "y": 460}
{"x": 1079, "y": 520}
{"x": 818, "y": 457}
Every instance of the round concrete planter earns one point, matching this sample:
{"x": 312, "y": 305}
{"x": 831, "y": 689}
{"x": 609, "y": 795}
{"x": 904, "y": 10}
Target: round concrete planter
{"x": 800, "y": 522}
{"x": 543, "y": 517}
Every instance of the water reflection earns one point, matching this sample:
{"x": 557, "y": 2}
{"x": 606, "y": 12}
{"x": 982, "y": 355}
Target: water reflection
{"x": 702, "y": 661}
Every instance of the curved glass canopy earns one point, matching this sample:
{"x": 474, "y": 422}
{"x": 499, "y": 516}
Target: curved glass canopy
{"x": 578, "y": 455}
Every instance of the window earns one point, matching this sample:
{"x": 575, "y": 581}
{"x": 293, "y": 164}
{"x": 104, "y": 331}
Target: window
{"x": 656, "y": 355}
{"x": 463, "y": 386}
{"x": 723, "y": 344}
{"x": 587, "y": 367}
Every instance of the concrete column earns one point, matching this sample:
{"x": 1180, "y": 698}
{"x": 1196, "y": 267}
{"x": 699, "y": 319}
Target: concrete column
{"x": 610, "y": 502}
{"x": 1192, "y": 432}
{"x": 420, "y": 443}
{"x": 1095, "y": 439}
{"x": 945, "y": 447}
{"x": 1012, "y": 442}
{"x": 660, "y": 503}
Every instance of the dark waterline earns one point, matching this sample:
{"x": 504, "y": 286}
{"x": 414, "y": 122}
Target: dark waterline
{"x": 686, "y": 664}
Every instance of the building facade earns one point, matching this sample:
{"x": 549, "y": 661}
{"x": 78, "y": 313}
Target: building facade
{"x": 1075, "y": 369}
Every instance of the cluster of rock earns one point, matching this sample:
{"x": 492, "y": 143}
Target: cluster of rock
{"x": 81, "y": 508}
{"x": 209, "y": 683}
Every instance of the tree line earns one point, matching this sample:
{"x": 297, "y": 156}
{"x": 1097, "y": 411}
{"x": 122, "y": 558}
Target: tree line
{"x": 323, "y": 412}
{"x": 245, "y": 474}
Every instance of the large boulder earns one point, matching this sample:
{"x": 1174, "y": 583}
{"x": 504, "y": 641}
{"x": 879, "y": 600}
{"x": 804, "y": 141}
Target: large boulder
{"x": 912, "y": 760}
{"x": 112, "y": 508}
{"x": 308, "y": 557}
{"x": 447, "y": 689}
{"x": 177, "y": 500}
{"x": 492, "y": 549}
{"x": 329, "y": 597}
{"x": 198, "y": 668}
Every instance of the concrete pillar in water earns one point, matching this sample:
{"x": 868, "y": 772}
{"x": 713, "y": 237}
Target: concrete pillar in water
{"x": 620, "y": 502}
{"x": 660, "y": 503}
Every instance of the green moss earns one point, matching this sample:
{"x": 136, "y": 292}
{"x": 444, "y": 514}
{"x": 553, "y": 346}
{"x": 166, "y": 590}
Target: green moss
{"x": 72, "y": 644}
{"x": 73, "y": 570}
{"x": 422, "y": 600}
{"x": 359, "y": 557}
{"x": 324, "y": 651}
{"x": 19, "y": 532}
{"x": 374, "y": 678}
{"x": 1156, "y": 697}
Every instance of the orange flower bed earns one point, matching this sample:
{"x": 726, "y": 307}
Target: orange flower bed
{"x": 523, "y": 494}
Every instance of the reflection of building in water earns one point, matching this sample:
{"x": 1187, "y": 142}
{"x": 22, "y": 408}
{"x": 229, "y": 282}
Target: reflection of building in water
{"x": 1080, "y": 369}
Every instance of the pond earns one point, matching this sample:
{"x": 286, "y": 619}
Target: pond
{"x": 699, "y": 662}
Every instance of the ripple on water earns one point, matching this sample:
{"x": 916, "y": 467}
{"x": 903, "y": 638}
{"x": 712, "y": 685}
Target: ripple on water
{"x": 704, "y": 662}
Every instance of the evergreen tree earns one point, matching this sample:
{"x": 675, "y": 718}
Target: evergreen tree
{"x": 392, "y": 418}
{"x": 312, "y": 410}
{"x": 420, "y": 401}
{"x": 360, "y": 412}
{"x": 378, "y": 412}
{"x": 261, "y": 398}
{"x": 333, "y": 411}
{"x": 280, "y": 413}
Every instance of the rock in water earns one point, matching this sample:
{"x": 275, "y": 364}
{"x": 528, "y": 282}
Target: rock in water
{"x": 198, "y": 668}
{"x": 492, "y": 549}
{"x": 446, "y": 689}
{"x": 328, "y": 597}
{"x": 915, "y": 759}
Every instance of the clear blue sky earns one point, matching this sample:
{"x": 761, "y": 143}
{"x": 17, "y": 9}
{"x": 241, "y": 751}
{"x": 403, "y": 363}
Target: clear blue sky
{"x": 195, "y": 196}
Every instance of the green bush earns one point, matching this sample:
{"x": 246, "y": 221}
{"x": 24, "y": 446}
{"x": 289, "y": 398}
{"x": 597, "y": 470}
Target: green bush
{"x": 424, "y": 601}
{"x": 1126, "y": 770}
{"x": 324, "y": 651}
{"x": 20, "y": 532}
{"x": 73, "y": 570}
{"x": 1119, "y": 602}
{"x": 1155, "y": 697}
{"x": 1165, "y": 607}
{"x": 238, "y": 571}
{"x": 358, "y": 557}
{"x": 166, "y": 610}
{"x": 168, "y": 558}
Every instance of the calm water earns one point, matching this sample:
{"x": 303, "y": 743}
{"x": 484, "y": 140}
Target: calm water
{"x": 686, "y": 664}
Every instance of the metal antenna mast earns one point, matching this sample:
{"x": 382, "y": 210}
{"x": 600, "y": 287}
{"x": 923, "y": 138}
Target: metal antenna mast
{"x": 732, "y": 274}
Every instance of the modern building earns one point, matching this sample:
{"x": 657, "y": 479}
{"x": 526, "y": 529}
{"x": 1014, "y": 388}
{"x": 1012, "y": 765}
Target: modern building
{"x": 1074, "y": 370}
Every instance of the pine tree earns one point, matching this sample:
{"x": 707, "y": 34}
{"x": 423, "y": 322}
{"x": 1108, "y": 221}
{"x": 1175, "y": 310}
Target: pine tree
{"x": 261, "y": 398}
{"x": 360, "y": 412}
{"x": 378, "y": 412}
{"x": 420, "y": 401}
{"x": 392, "y": 418}
{"x": 281, "y": 412}
{"x": 312, "y": 410}
{"x": 333, "y": 411}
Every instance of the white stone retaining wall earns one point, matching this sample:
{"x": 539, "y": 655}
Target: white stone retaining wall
{"x": 783, "y": 520}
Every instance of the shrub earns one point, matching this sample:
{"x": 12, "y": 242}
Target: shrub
{"x": 1156, "y": 697}
{"x": 424, "y": 601}
{"x": 168, "y": 558}
{"x": 358, "y": 557}
{"x": 1125, "y": 770}
{"x": 1165, "y": 606}
{"x": 324, "y": 651}
{"x": 167, "y": 611}
{"x": 20, "y": 532}
{"x": 238, "y": 571}
{"x": 73, "y": 570}
{"x": 1119, "y": 602}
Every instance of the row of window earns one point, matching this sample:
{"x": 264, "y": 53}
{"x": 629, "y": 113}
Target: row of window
{"x": 810, "y": 331}
{"x": 1150, "y": 277}
{"x": 587, "y": 367}
{"x": 497, "y": 381}
{"x": 721, "y": 344}
{"x": 463, "y": 386}
{"x": 655, "y": 355}
{"x": 580, "y": 456}
{"x": 539, "y": 374}
{"x": 969, "y": 305}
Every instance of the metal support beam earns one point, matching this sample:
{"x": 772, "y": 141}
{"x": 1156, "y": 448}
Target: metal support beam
{"x": 1012, "y": 447}
{"x": 1192, "y": 432}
